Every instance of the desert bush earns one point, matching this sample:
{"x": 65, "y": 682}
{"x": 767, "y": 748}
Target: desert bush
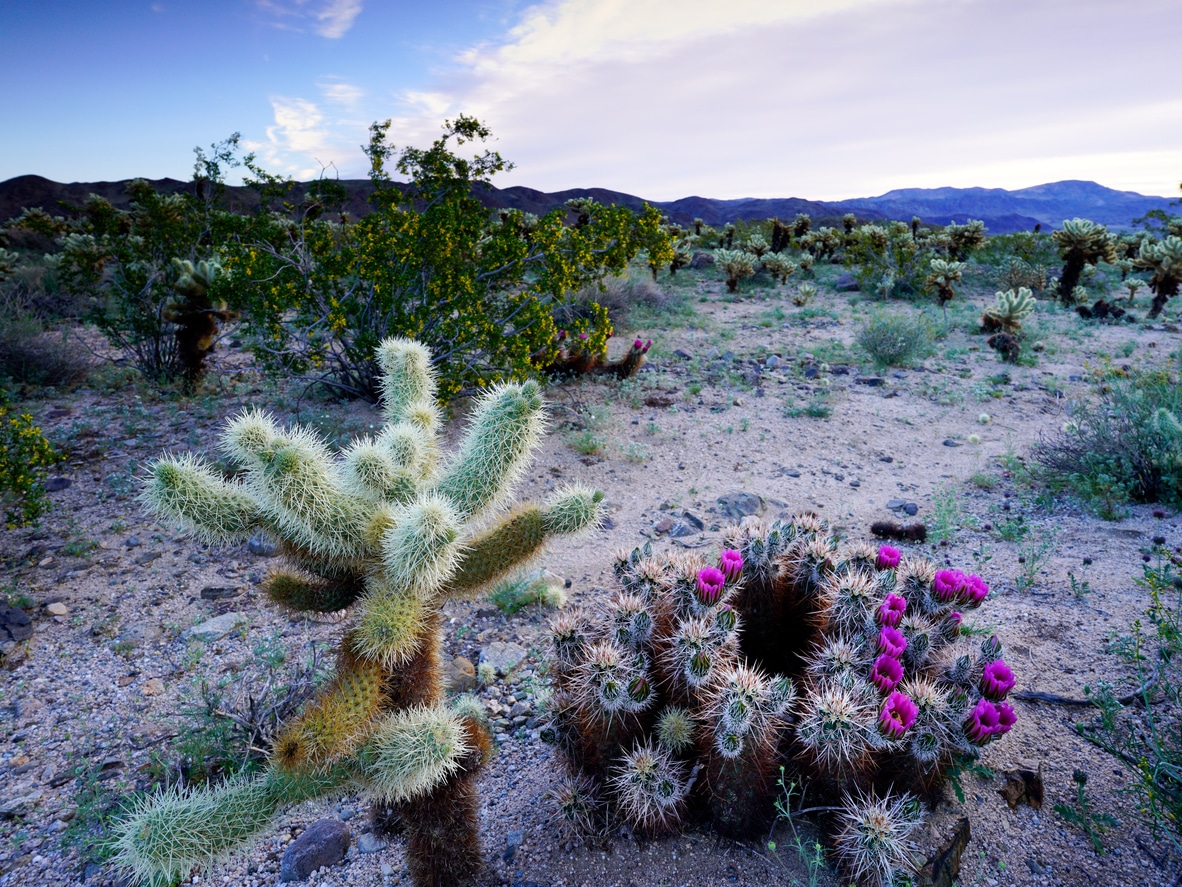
{"x": 1123, "y": 446}
{"x": 896, "y": 340}
{"x": 888, "y": 261}
{"x": 1140, "y": 728}
{"x": 430, "y": 263}
{"x": 25, "y": 454}
{"x": 391, "y": 531}
{"x": 1081, "y": 243}
{"x": 682, "y": 695}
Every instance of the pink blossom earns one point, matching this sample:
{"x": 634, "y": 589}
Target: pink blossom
{"x": 982, "y": 723}
{"x": 886, "y": 673}
{"x": 891, "y": 611}
{"x": 897, "y": 715}
{"x": 947, "y": 585}
{"x": 997, "y": 680}
{"x": 1006, "y": 717}
{"x": 637, "y": 345}
{"x": 891, "y": 641}
{"x": 731, "y": 563}
{"x": 711, "y": 581}
{"x": 974, "y": 592}
{"x": 888, "y": 557}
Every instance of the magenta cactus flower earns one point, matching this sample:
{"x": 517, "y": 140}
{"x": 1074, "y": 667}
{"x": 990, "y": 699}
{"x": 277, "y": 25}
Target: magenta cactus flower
{"x": 974, "y": 592}
{"x": 638, "y": 344}
{"x": 897, "y": 715}
{"x": 891, "y": 641}
{"x": 886, "y": 673}
{"x": 982, "y": 723}
{"x": 947, "y": 585}
{"x": 731, "y": 563}
{"x": 1006, "y": 717}
{"x": 997, "y": 681}
{"x": 711, "y": 581}
{"x": 888, "y": 557}
{"x": 892, "y": 610}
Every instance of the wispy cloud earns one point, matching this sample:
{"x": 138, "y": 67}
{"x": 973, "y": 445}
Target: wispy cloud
{"x": 340, "y": 93}
{"x": 304, "y": 141}
{"x": 328, "y": 18}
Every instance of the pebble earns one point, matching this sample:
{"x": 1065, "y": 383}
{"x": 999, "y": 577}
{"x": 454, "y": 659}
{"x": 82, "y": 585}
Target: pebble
{"x": 57, "y": 608}
{"x": 153, "y": 687}
{"x": 218, "y": 627}
{"x": 504, "y": 656}
{"x": 262, "y": 546}
{"x": 367, "y": 842}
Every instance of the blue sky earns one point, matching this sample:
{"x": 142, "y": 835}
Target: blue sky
{"x": 822, "y": 99}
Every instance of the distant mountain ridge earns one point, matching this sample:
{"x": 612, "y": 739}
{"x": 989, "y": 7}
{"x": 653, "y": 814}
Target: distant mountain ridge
{"x": 1002, "y": 211}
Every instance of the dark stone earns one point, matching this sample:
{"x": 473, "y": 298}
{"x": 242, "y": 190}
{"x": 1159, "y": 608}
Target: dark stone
{"x": 871, "y": 381}
{"x": 133, "y": 542}
{"x": 684, "y": 355}
{"x": 262, "y": 546}
{"x": 896, "y": 504}
{"x": 1023, "y": 786}
{"x": 692, "y": 520}
{"x": 15, "y": 624}
{"x": 846, "y": 283}
{"x": 811, "y": 371}
{"x": 146, "y": 558}
{"x": 323, "y": 843}
{"x": 680, "y": 530}
{"x": 952, "y": 443}
{"x": 911, "y": 509}
{"x": 220, "y": 592}
{"x": 607, "y": 524}
{"x": 739, "y": 504}
{"x": 944, "y": 867}
{"x": 56, "y": 484}
{"x": 513, "y": 841}
{"x": 701, "y": 260}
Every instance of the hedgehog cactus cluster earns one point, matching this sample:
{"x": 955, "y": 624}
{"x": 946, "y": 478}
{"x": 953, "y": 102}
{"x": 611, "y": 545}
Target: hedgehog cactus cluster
{"x": 683, "y": 694}
{"x": 388, "y": 530}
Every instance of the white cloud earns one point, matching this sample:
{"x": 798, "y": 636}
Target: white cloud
{"x": 328, "y": 18}
{"x": 340, "y": 93}
{"x": 818, "y": 99}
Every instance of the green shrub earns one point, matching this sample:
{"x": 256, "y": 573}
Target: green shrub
{"x": 24, "y": 456}
{"x": 1125, "y": 446}
{"x": 896, "y": 340}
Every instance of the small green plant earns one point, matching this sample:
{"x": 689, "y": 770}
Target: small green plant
{"x": 811, "y": 854}
{"x": 1081, "y": 815}
{"x": 511, "y": 595}
{"x": 1033, "y": 555}
{"x": 25, "y": 455}
{"x": 896, "y": 340}
{"x": 948, "y": 514}
{"x": 1080, "y": 588}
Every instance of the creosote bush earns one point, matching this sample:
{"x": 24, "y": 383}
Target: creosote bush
{"x": 389, "y": 531}
{"x": 896, "y": 340}
{"x": 681, "y": 695}
{"x": 25, "y": 454}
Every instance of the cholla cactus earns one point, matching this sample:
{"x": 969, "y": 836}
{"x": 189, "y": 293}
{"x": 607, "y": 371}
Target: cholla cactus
{"x": 1132, "y": 284}
{"x": 757, "y": 245}
{"x": 942, "y": 278}
{"x": 1164, "y": 259}
{"x": 1008, "y": 311}
{"x": 391, "y": 532}
{"x": 195, "y": 314}
{"x": 963, "y": 239}
{"x": 845, "y": 665}
{"x": 737, "y": 264}
{"x": 7, "y": 263}
{"x": 780, "y": 267}
{"x": 803, "y": 295}
{"x": 1080, "y": 243}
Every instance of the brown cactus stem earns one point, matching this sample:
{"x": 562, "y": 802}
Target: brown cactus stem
{"x": 742, "y": 790}
{"x": 1162, "y": 294}
{"x": 443, "y": 827}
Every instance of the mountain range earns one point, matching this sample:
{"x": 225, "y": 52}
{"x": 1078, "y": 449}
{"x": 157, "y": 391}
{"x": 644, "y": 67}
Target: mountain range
{"x": 1002, "y": 211}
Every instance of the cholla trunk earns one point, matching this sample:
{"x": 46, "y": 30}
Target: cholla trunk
{"x": 1069, "y": 279}
{"x": 1162, "y": 294}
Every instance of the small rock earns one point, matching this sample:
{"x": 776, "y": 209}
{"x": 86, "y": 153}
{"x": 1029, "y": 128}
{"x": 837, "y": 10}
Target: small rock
{"x": 220, "y": 592}
{"x": 701, "y": 260}
{"x": 261, "y": 545}
{"x": 153, "y": 687}
{"x": 146, "y": 558}
{"x": 680, "y": 530}
{"x": 459, "y": 676}
{"x": 139, "y": 633}
{"x": 895, "y": 504}
{"x": 218, "y": 627}
{"x": 504, "y": 656}
{"x": 870, "y": 381}
{"x": 368, "y": 842}
{"x": 20, "y": 805}
{"x": 513, "y": 841}
{"x": 739, "y": 504}
{"x": 1023, "y": 786}
{"x": 133, "y": 542}
{"x": 519, "y": 709}
{"x": 846, "y": 283}
{"x": 15, "y": 624}
{"x": 684, "y": 355}
{"x": 944, "y": 868}
{"x": 952, "y": 443}
{"x": 688, "y": 517}
{"x": 664, "y": 525}
{"x": 56, "y": 484}
{"x": 323, "y": 843}
{"x": 607, "y": 523}
{"x": 773, "y": 361}
{"x": 911, "y": 509}
{"x": 57, "y": 608}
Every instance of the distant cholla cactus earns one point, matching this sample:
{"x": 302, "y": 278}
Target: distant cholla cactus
{"x": 1164, "y": 259}
{"x": 801, "y": 225}
{"x": 683, "y": 254}
{"x": 780, "y": 267}
{"x": 1015, "y": 274}
{"x": 963, "y": 239}
{"x": 195, "y": 314}
{"x": 942, "y": 278}
{"x": 737, "y": 264}
{"x": 7, "y": 263}
{"x": 1132, "y": 284}
{"x": 803, "y": 295}
{"x": 843, "y": 664}
{"x": 757, "y": 245}
{"x": 1080, "y": 243}
{"x": 1007, "y": 313}
{"x": 392, "y": 532}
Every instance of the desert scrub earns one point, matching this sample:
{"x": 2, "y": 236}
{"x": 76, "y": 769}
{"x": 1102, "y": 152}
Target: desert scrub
{"x": 391, "y": 531}
{"x": 25, "y": 455}
{"x": 1140, "y": 728}
{"x": 701, "y": 685}
{"x": 1124, "y": 446}
{"x": 896, "y": 340}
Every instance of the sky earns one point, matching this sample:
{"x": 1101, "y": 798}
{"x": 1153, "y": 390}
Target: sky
{"x": 821, "y": 99}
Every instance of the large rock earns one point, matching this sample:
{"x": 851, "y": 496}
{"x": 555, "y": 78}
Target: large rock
{"x": 846, "y": 283}
{"x": 213, "y": 629}
{"x": 504, "y": 656}
{"x": 701, "y": 260}
{"x": 15, "y": 624}
{"x": 459, "y": 675}
{"x": 323, "y": 843}
{"x": 739, "y": 504}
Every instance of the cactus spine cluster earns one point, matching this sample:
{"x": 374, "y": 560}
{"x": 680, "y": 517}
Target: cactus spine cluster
{"x": 1008, "y": 311}
{"x": 686, "y": 691}
{"x": 1081, "y": 243}
{"x": 388, "y": 530}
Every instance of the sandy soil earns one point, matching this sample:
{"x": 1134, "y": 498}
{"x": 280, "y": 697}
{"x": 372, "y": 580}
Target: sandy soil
{"x": 685, "y": 432}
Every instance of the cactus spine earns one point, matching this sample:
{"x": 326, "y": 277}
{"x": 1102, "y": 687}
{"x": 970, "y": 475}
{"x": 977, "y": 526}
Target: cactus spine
{"x": 386, "y": 531}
